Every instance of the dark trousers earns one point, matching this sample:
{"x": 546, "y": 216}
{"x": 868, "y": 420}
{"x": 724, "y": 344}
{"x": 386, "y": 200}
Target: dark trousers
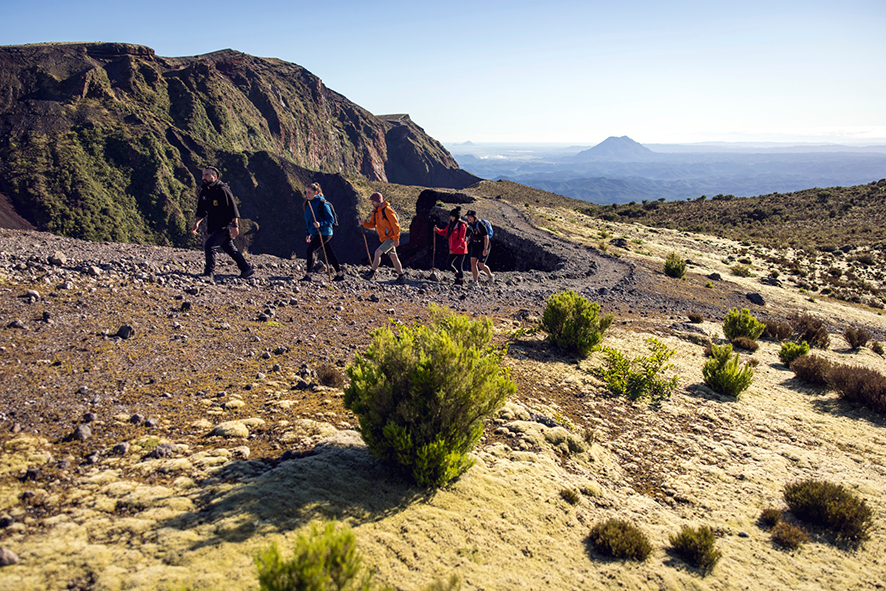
{"x": 314, "y": 246}
{"x": 456, "y": 263}
{"x": 222, "y": 238}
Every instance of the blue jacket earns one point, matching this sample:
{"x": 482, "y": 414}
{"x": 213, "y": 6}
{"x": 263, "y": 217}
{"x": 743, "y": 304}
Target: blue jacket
{"x": 321, "y": 210}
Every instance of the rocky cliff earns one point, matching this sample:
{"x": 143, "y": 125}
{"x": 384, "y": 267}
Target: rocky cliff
{"x": 105, "y": 141}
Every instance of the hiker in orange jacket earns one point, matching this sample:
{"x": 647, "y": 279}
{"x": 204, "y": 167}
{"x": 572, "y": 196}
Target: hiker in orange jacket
{"x": 387, "y": 226}
{"x": 456, "y": 232}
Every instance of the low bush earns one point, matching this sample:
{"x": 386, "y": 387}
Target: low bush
{"x": 877, "y": 348}
{"x": 326, "y": 558}
{"x": 570, "y": 496}
{"x": 777, "y": 329}
{"x": 790, "y": 351}
{"x": 811, "y": 329}
{"x": 859, "y": 384}
{"x": 640, "y": 377}
{"x": 695, "y": 318}
{"x": 811, "y": 369}
{"x": 831, "y": 506}
{"x": 745, "y": 343}
{"x": 328, "y": 375}
{"x": 674, "y": 266}
{"x": 620, "y": 539}
{"x": 788, "y": 535}
{"x": 722, "y": 372}
{"x": 697, "y": 547}
{"x": 740, "y": 270}
{"x": 573, "y": 323}
{"x": 742, "y": 324}
{"x": 771, "y": 516}
{"x": 856, "y": 337}
{"x": 421, "y": 396}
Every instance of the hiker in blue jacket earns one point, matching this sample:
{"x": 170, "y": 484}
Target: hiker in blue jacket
{"x": 318, "y": 226}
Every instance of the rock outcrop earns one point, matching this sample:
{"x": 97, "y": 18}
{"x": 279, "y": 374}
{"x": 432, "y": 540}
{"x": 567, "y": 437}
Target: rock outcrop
{"x": 105, "y": 141}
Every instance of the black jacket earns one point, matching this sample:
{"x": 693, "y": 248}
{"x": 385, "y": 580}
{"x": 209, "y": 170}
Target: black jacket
{"x": 216, "y": 204}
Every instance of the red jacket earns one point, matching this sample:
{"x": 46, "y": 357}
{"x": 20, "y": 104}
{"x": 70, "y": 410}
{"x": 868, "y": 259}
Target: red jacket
{"x": 457, "y": 242}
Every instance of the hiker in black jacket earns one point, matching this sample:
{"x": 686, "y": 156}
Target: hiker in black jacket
{"x": 216, "y": 204}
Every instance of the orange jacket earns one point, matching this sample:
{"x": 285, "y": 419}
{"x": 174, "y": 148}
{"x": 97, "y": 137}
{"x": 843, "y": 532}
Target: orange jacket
{"x": 384, "y": 220}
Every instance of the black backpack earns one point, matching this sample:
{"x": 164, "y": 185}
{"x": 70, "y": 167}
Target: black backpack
{"x": 332, "y": 209}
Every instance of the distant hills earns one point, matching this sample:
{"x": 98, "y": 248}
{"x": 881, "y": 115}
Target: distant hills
{"x": 621, "y": 170}
{"x": 105, "y": 141}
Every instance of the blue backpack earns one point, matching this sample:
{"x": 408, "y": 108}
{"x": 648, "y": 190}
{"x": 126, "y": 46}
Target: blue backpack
{"x": 488, "y": 227}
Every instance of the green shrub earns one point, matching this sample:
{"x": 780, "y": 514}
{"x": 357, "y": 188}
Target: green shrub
{"x": 740, "y": 270}
{"x": 859, "y": 384}
{"x": 327, "y": 558}
{"x": 722, "y": 372}
{"x": 831, "y": 506}
{"x": 422, "y": 396}
{"x": 573, "y": 323}
{"x": 697, "y": 547}
{"x": 329, "y": 376}
{"x": 695, "y": 318}
{"x": 640, "y": 377}
{"x": 741, "y": 324}
{"x": 811, "y": 329}
{"x": 790, "y": 351}
{"x": 811, "y": 369}
{"x": 620, "y": 539}
{"x": 745, "y": 343}
{"x": 877, "y": 348}
{"x": 674, "y": 266}
{"x": 856, "y": 337}
{"x": 777, "y": 329}
{"x": 788, "y": 535}
{"x": 771, "y": 516}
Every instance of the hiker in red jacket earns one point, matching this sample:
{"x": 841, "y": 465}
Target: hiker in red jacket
{"x": 456, "y": 232}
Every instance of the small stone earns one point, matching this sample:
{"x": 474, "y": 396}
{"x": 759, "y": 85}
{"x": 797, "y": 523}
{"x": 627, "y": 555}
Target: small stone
{"x": 241, "y": 452}
{"x": 6, "y": 521}
{"x": 16, "y": 428}
{"x": 7, "y": 557}
{"x": 31, "y": 474}
{"x": 81, "y": 433}
{"x": 89, "y": 417}
{"x": 125, "y": 332}
{"x": 164, "y": 450}
{"x": 16, "y": 324}
{"x": 57, "y": 259}
{"x": 232, "y": 429}
{"x": 756, "y": 298}
{"x": 151, "y": 423}
{"x": 136, "y": 419}
{"x": 92, "y": 459}
{"x": 743, "y": 534}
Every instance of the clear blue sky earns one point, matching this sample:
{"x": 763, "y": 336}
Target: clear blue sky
{"x": 539, "y": 71}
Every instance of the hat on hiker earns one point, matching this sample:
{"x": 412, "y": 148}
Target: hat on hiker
{"x": 471, "y": 213}
{"x": 456, "y": 213}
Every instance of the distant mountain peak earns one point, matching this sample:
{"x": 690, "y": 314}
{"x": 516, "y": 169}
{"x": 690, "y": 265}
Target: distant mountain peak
{"x": 616, "y": 148}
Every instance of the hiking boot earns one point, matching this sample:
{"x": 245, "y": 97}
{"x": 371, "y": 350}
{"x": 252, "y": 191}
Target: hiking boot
{"x": 206, "y": 275}
{"x": 459, "y": 281}
{"x": 401, "y": 279}
{"x": 369, "y": 275}
{"x": 491, "y": 278}
{"x": 247, "y": 273}
{"x": 306, "y": 277}
{"x": 339, "y": 277}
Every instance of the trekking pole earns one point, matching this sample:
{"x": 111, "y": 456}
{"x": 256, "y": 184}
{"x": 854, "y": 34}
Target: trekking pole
{"x": 322, "y": 246}
{"x": 433, "y": 276}
{"x": 366, "y": 244}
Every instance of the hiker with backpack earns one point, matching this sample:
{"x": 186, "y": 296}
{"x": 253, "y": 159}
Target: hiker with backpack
{"x": 479, "y": 245}
{"x": 456, "y": 233}
{"x": 319, "y": 220}
{"x": 217, "y": 205}
{"x": 387, "y": 226}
